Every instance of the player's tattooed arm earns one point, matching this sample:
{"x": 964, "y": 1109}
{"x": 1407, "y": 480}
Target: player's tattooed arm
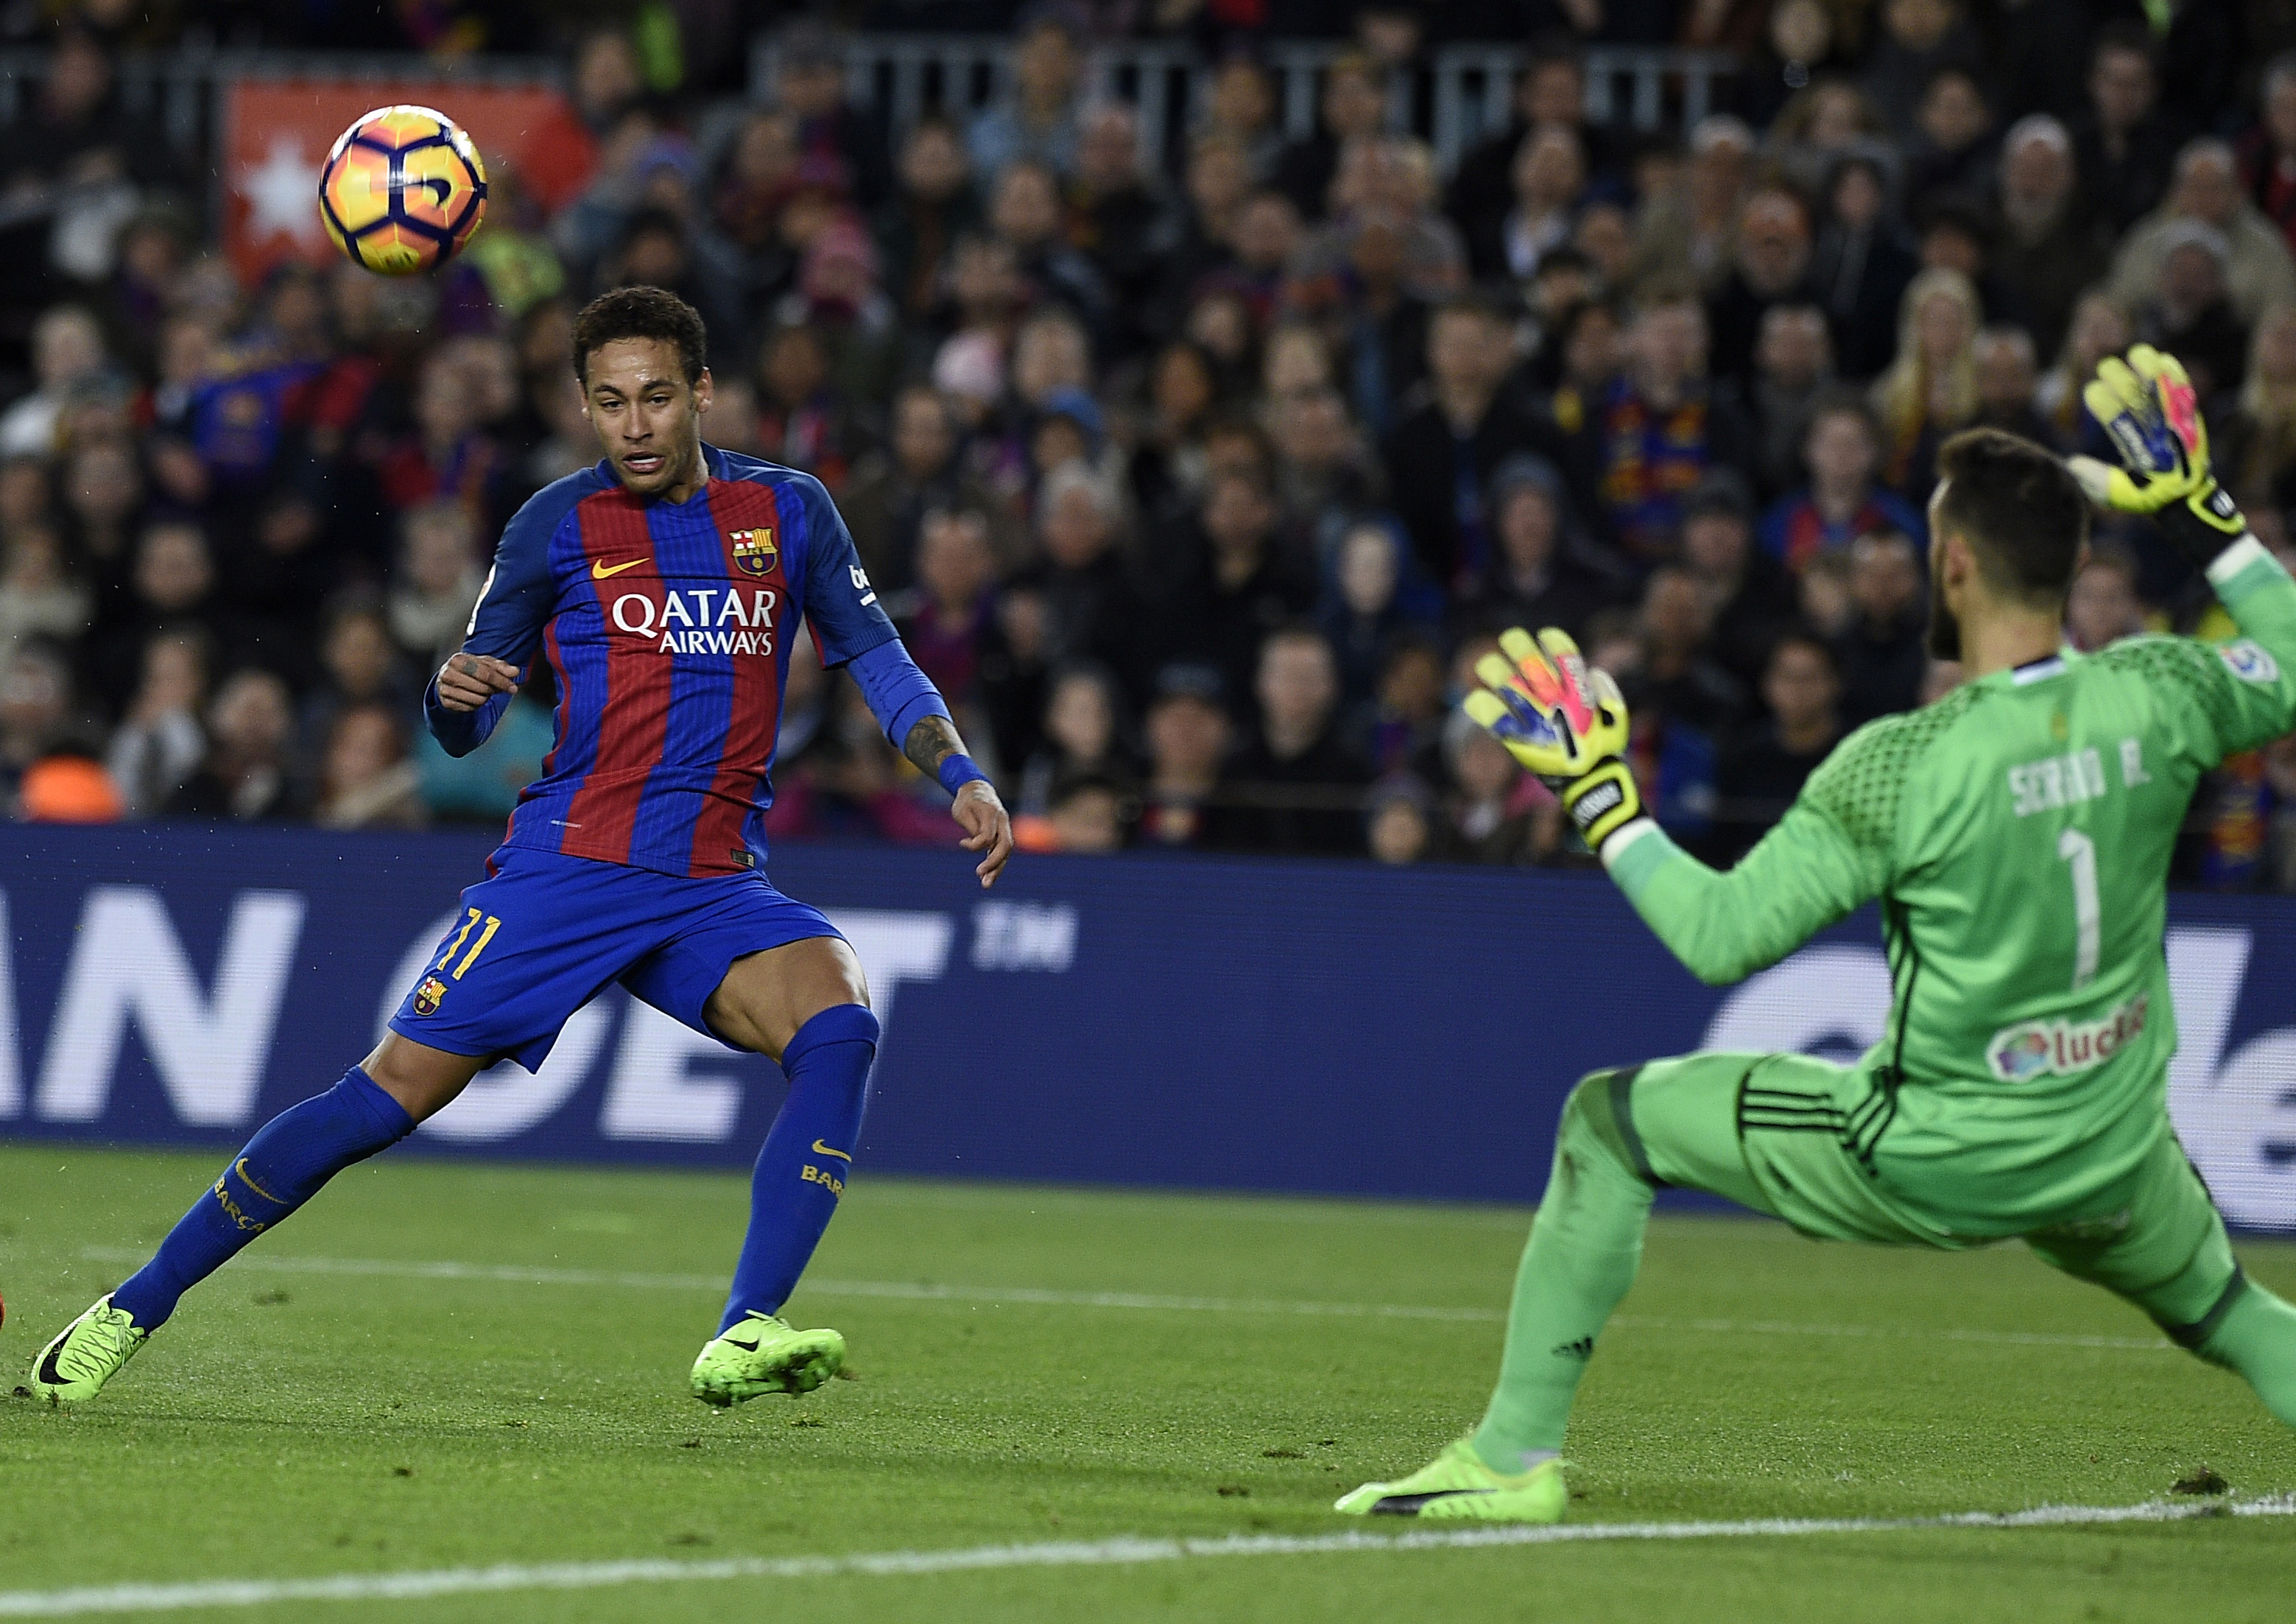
{"x": 931, "y": 741}
{"x": 977, "y": 810}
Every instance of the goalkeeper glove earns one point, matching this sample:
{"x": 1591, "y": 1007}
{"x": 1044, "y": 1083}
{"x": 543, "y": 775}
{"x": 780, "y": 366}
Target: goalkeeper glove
{"x": 1565, "y": 723}
{"x": 2148, "y": 408}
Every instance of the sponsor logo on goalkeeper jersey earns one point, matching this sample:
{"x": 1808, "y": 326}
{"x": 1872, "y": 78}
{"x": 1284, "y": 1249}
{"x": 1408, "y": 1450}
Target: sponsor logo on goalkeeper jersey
{"x": 2248, "y": 662}
{"x": 701, "y": 619}
{"x": 2062, "y": 1048}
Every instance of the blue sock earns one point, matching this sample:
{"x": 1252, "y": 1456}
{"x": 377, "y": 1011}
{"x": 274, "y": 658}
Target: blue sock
{"x": 801, "y": 1171}
{"x": 281, "y": 1168}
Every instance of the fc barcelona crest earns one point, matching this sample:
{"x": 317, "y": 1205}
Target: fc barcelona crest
{"x": 754, "y": 550}
{"x": 427, "y": 996}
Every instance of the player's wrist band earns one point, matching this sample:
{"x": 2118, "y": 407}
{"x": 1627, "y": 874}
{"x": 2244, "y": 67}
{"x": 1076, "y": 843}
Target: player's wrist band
{"x": 958, "y": 770}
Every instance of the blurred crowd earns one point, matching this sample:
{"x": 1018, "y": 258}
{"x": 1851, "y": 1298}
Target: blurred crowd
{"x": 1197, "y": 478}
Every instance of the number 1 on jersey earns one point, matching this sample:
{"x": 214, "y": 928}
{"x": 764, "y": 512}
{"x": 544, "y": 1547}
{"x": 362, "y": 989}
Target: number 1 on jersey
{"x": 2081, "y": 851}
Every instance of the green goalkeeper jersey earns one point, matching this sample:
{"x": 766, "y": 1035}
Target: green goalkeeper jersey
{"x": 2018, "y": 833}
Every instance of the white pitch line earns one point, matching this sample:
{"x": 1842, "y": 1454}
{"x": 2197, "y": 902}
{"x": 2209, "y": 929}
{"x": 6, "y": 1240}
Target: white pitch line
{"x": 413, "y": 1587}
{"x": 518, "y": 1274}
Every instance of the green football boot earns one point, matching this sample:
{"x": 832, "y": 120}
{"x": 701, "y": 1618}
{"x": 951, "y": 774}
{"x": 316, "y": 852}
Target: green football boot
{"x": 765, "y": 1355}
{"x": 87, "y": 1353}
{"x": 1457, "y": 1484}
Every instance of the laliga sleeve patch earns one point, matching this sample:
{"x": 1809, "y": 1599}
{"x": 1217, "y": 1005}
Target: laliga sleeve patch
{"x": 2248, "y": 662}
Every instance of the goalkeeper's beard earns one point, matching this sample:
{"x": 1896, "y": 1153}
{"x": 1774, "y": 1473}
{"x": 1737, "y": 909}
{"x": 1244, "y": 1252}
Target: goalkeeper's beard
{"x": 1945, "y": 625}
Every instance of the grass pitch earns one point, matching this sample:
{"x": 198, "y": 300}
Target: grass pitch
{"x": 446, "y": 1366}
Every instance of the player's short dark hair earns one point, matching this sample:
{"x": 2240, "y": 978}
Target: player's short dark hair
{"x": 1481, "y": 307}
{"x": 1798, "y": 635}
{"x": 2127, "y": 37}
{"x": 641, "y": 313}
{"x": 2019, "y": 507}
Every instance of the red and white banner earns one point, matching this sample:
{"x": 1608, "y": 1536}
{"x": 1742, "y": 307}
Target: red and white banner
{"x": 276, "y": 134}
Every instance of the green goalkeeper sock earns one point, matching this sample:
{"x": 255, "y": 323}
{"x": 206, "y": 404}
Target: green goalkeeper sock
{"x": 1584, "y": 1246}
{"x": 2258, "y": 1340}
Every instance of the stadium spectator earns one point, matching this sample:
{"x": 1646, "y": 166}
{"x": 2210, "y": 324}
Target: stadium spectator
{"x": 1083, "y": 737}
{"x": 2268, "y": 152}
{"x": 158, "y": 741}
{"x": 35, "y": 709}
{"x": 809, "y": 87}
{"x": 1548, "y": 179}
{"x": 366, "y": 780}
{"x": 1659, "y": 427}
{"x": 1770, "y": 267}
{"x": 1842, "y": 449}
{"x": 1087, "y": 815}
{"x": 1294, "y": 787}
{"x": 1400, "y": 823}
{"x": 68, "y": 356}
{"x": 1241, "y": 584}
{"x": 1119, "y": 221}
{"x": 2258, "y": 268}
{"x": 1037, "y": 118}
{"x": 249, "y": 774}
{"x": 39, "y": 596}
{"x": 1860, "y": 265}
{"x": 2191, "y": 315}
{"x": 1746, "y": 591}
{"x": 1542, "y": 572}
{"x": 2099, "y": 328}
{"x": 1444, "y": 452}
{"x": 1187, "y": 732}
{"x": 2007, "y": 377}
{"x": 918, "y": 228}
{"x": 1764, "y": 770}
{"x": 2122, "y": 147}
{"x": 1883, "y": 657}
{"x": 2255, "y": 442}
{"x": 948, "y": 621}
{"x": 1920, "y": 39}
{"x": 2104, "y": 606}
{"x": 2044, "y": 251}
{"x": 437, "y": 584}
{"x": 1363, "y": 608}
{"x": 1793, "y": 365}
{"x": 1952, "y": 155}
{"x": 1931, "y": 389}
{"x": 1687, "y": 231}
{"x": 1491, "y": 812}
{"x": 1092, "y": 609}
{"x": 360, "y": 665}
{"x": 1351, "y": 108}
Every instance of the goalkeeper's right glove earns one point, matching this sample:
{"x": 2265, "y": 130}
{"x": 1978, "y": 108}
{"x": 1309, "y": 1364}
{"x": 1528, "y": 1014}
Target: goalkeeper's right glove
{"x": 1564, "y": 722}
{"x": 2147, "y": 406}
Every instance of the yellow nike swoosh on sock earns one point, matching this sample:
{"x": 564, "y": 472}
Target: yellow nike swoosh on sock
{"x": 822, "y": 1150}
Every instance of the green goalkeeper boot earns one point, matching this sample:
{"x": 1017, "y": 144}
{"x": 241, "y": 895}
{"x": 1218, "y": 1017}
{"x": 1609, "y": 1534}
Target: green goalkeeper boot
{"x": 1456, "y": 1484}
{"x": 86, "y": 1354}
{"x": 764, "y": 1355}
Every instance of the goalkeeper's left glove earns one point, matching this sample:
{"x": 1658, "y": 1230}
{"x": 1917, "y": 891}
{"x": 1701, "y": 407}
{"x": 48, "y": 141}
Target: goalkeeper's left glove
{"x": 1565, "y": 723}
{"x": 2147, "y": 406}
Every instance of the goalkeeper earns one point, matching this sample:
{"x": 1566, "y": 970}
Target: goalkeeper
{"x": 2017, "y": 832}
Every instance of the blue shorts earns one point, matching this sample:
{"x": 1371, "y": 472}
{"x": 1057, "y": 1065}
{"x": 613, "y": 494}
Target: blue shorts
{"x": 544, "y": 934}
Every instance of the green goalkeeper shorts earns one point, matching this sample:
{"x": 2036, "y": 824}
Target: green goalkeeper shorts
{"x": 1792, "y": 1135}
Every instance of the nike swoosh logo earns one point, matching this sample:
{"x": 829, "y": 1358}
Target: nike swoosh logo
{"x": 599, "y": 572}
{"x": 820, "y": 1149}
{"x": 752, "y": 1345}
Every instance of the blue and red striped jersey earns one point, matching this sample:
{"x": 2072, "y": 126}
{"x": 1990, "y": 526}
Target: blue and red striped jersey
{"x": 668, "y": 626}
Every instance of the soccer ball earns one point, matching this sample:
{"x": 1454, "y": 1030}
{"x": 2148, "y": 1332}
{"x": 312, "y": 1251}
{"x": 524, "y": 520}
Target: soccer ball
{"x": 402, "y": 189}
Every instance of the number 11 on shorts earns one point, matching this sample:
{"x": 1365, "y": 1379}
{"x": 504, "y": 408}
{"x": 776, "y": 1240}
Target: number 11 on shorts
{"x": 494, "y": 924}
